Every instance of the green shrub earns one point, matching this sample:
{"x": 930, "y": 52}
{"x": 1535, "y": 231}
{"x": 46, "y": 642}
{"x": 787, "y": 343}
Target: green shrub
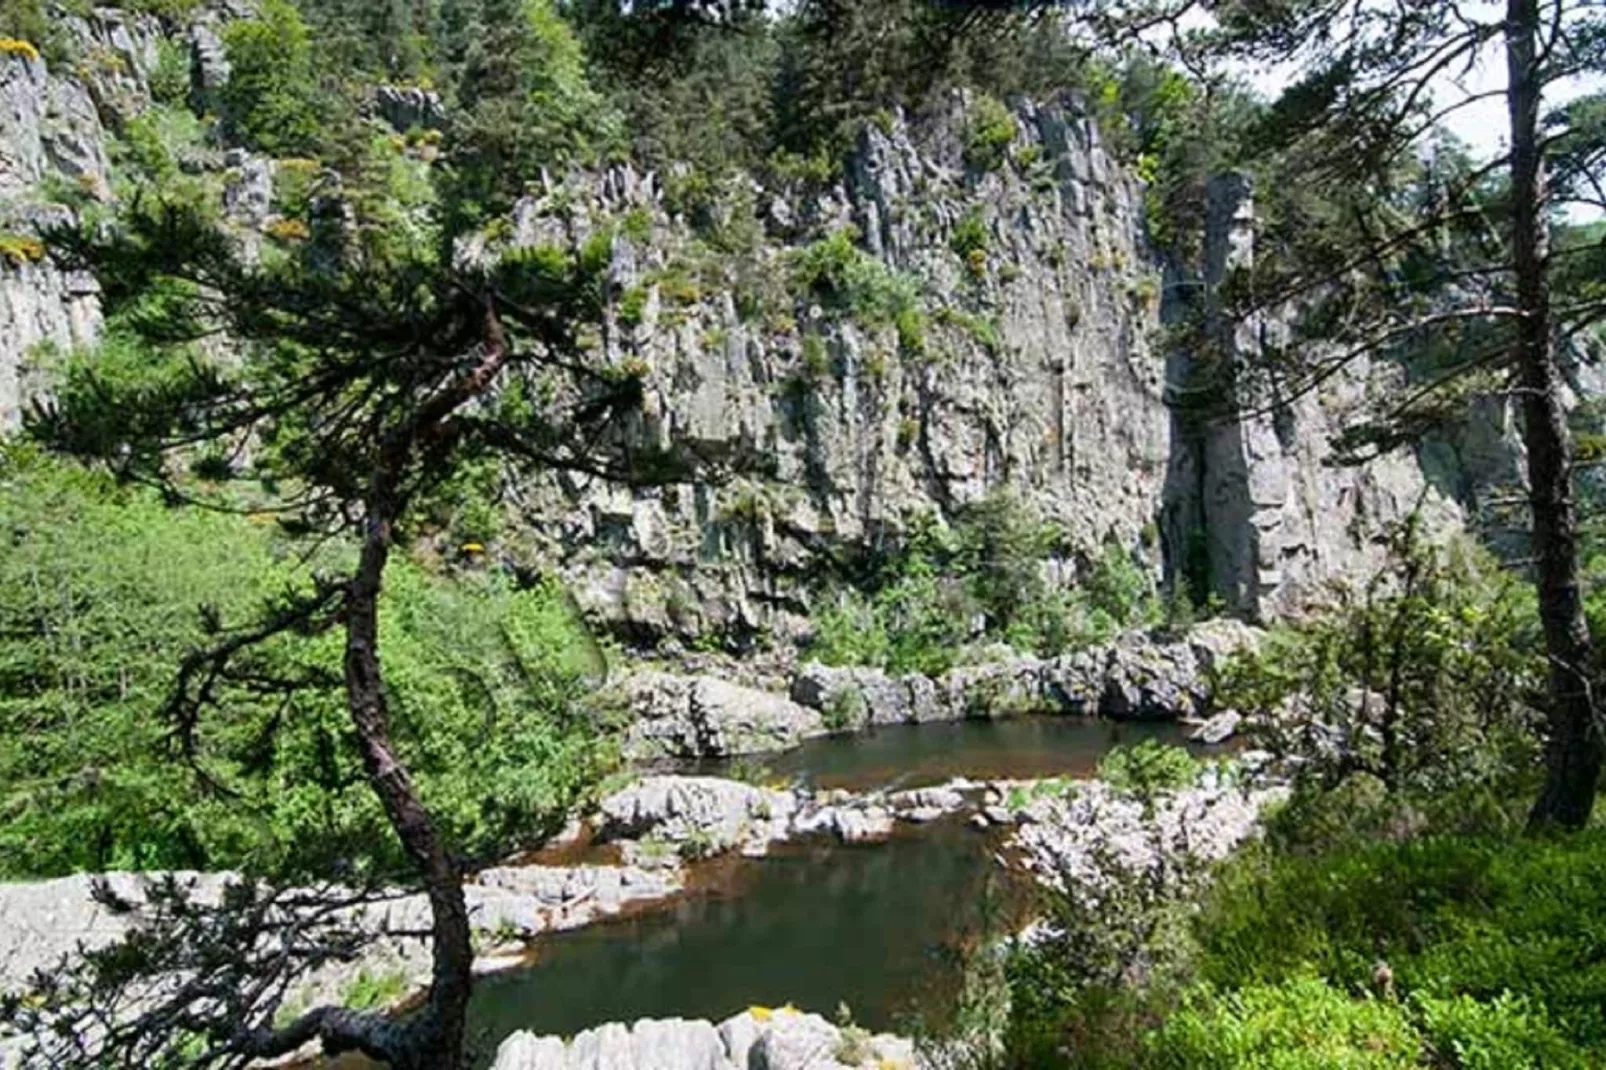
{"x": 170, "y": 81}
{"x": 1300, "y": 1024}
{"x": 1451, "y": 915}
{"x": 850, "y": 632}
{"x": 1116, "y": 585}
{"x": 1505, "y": 1033}
{"x": 989, "y": 131}
{"x": 371, "y": 991}
{"x": 969, "y": 241}
{"x": 270, "y": 100}
{"x": 1149, "y": 767}
{"x": 633, "y": 306}
{"x": 915, "y": 624}
{"x": 845, "y": 278}
{"x": 846, "y": 710}
{"x": 980, "y": 328}
{"x": 1422, "y": 678}
{"x": 99, "y": 594}
{"x": 911, "y": 324}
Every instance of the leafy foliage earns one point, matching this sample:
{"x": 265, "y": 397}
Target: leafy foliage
{"x": 105, "y": 590}
{"x": 1300, "y": 1025}
{"x": 1149, "y": 767}
{"x": 983, "y": 579}
{"x": 1423, "y": 678}
{"x": 271, "y": 98}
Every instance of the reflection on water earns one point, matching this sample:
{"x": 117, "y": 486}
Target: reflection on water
{"x": 919, "y": 755}
{"x": 876, "y": 927}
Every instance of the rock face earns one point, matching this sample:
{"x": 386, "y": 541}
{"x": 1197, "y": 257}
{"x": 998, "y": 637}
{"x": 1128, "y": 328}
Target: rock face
{"x": 1251, "y": 513}
{"x": 703, "y": 717}
{"x": 1030, "y": 368}
{"x": 1025, "y": 356}
{"x": 49, "y": 128}
{"x": 758, "y": 1039}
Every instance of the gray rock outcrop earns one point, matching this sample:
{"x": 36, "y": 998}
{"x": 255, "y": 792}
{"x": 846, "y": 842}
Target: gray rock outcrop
{"x": 1252, "y": 513}
{"x": 1092, "y": 839}
{"x": 42, "y": 921}
{"x": 703, "y": 717}
{"x": 710, "y": 813}
{"x": 1030, "y": 360}
{"x": 1135, "y": 677}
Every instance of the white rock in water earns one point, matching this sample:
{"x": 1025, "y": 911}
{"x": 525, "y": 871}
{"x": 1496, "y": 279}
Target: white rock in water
{"x": 714, "y": 813}
{"x": 525, "y": 1051}
{"x": 705, "y": 717}
{"x": 795, "y": 1041}
{"x": 934, "y": 801}
{"x": 1217, "y": 729}
{"x": 677, "y": 1044}
{"x": 782, "y": 1039}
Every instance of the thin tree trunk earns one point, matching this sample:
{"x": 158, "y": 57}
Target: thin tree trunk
{"x": 1573, "y": 750}
{"x": 435, "y": 1034}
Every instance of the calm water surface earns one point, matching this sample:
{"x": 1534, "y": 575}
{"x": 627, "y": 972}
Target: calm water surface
{"x": 875, "y": 926}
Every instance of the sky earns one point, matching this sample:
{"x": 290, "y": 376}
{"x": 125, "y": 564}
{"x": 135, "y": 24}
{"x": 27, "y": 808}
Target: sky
{"x": 1482, "y": 123}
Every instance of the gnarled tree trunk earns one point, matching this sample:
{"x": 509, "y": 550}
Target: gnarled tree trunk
{"x": 433, "y": 1036}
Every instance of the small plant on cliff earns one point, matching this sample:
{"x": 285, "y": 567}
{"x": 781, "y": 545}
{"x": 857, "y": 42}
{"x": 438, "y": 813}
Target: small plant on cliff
{"x": 19, "y": 249}
{"x": 969, "y": 241}
{"x": 840, "y": 275}
{"x": 846, "y": 709}
{"x": 989, "y": 131}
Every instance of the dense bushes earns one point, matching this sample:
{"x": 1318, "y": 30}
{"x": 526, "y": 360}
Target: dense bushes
{"x": 1479, "y": 917}
{"x": 982, "y": 580}
{"x": 1350, "y": 937}
{"x": 1423, "y": 678}
{"x": 1394, "y": 914}
{"x": 104, "y": 590}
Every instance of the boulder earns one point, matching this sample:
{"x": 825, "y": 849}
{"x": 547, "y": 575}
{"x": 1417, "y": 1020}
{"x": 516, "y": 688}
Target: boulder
{"x": 925, "y": 804}
{"x": 1218, "y": 728}
{"x": 853, "y": 697}
{"x": 1145, "y": 680}
{"x": 795, "y": 1041}
{"x": 709, "y": 814}
{"x": 703, "y": 717}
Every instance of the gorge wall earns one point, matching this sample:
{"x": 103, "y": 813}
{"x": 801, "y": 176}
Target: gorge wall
{"x": 922, "y": 330}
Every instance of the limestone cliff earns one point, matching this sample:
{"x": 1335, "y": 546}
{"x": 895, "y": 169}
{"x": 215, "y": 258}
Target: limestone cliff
{"x": 902, "y": 339}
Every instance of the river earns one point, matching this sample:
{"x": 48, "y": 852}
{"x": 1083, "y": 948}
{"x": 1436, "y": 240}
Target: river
{"x": 877, "y": 927}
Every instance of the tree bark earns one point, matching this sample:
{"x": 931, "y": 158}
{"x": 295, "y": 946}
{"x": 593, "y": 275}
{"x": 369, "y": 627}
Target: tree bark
{"x": 434, "y": 1037}
{"x": 1573, "y": 747}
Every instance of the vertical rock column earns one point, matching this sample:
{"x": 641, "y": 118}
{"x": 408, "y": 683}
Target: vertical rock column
{"x": 1226, "y": 481}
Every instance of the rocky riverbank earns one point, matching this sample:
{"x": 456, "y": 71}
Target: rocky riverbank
{"x": 640, "y": 847}
{"x": 757, "y": 1039}
{"x": 1138, "y": 676}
